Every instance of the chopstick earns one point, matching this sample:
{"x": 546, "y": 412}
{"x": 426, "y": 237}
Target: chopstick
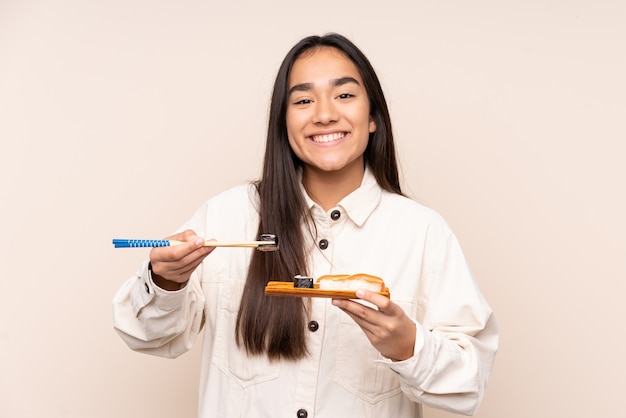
{"x": 267, "y": 243}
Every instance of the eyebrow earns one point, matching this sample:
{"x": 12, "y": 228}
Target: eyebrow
{"x": 335, "y": 83}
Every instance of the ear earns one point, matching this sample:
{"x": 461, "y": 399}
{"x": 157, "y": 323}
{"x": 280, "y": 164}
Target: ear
{"x": 372, "y": 127}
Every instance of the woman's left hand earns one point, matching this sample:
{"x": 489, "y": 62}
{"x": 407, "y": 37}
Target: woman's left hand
{"x": 388, "y": 329}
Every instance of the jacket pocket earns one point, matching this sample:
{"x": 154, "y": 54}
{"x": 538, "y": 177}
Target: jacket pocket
{"x": 356, "y": 367}
{"x": 241, "y": 368}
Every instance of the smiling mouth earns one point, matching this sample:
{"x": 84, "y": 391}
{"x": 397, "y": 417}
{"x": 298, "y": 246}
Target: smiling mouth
{"x": 328, "y": 137}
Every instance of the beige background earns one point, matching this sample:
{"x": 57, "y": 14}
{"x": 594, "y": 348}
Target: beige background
{"x": 119, "y": 118}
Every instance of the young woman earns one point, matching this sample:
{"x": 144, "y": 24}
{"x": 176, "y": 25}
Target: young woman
{"x": 330, "y": 191}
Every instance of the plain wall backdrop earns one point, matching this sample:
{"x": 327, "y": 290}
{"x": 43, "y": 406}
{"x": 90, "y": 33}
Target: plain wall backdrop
{"x": 119, "y": 118}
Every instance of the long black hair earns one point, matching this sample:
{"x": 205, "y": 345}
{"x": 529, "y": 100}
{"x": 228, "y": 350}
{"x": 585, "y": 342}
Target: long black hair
{"x": 275, "y": 326}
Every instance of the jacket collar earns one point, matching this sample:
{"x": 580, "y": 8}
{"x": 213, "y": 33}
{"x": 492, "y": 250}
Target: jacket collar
{"x": 359, "y": 204}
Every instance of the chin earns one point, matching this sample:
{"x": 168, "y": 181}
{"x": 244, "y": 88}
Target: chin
{"x": 328, "y": 167}
{"x": 335, "y": 165}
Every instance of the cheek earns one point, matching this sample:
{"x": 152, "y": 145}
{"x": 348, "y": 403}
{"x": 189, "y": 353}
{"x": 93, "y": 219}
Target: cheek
{"x": 294, "y": 124}
{"x": 290, "y": 127}
{"x": 364, "y": 118}
{"x": 293, "y": 143}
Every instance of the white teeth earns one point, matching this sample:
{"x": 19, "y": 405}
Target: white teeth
{"x": 328, "y": 138}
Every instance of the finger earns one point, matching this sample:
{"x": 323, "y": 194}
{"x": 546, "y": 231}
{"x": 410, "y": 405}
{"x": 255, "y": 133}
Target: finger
{"x": 182, "y": 269}
{"x": 181, "y": 261}
{"x": 358, "y": 312}
{"x": 178, "y": 252}
{"x": 187, "y": 235}
{"x": 382, "y": 303}
{"x": 174, "y": 263}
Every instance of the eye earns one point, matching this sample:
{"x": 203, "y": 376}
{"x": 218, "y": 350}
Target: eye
{"x": 345, "y": 96}
{"x": 303, "y": 102}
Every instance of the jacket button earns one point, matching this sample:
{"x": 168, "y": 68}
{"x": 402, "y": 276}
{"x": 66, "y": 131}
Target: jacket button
{"x": 313, "y": 326}
{"x": 323, "y": 244}
{"x": 334, "y": 215}
{"x": 302, "y": 413}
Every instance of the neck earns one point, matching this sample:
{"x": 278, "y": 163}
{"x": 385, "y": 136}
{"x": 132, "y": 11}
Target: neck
{"x": 327, "y": 188}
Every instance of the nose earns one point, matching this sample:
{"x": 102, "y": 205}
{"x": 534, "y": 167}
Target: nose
{"x": 325, "y": 112}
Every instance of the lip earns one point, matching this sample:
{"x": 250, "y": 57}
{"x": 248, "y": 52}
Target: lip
{"x": 328, "y": 137}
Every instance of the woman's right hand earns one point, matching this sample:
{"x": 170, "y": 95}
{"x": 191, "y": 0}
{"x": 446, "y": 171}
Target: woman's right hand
{"x": 172, "y": 266}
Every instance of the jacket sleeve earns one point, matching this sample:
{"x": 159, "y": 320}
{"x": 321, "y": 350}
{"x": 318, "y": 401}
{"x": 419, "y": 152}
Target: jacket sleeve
{"x": 457, "y": 337}
{"x": 152, "y": 320}
{"x": 155, "y": 321}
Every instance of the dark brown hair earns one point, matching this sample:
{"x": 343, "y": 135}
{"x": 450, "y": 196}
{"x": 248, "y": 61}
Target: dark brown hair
{"x": 275, "y": 326}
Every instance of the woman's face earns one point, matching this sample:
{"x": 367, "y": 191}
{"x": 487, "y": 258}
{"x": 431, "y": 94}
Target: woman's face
{"x": 328, "y": 119}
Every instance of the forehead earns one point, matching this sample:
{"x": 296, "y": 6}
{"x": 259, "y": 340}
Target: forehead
{"x": 320, "y": 65}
